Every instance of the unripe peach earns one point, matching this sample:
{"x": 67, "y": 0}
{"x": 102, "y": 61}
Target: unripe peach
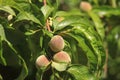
{"x": 62, "y": 56}
{"x": 42, "y": 61}
{"x": 85, "y": 6}
{"x": 56, "y": 43}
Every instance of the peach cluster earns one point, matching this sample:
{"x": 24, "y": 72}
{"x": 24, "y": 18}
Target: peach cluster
{"x": 56, "y": 44}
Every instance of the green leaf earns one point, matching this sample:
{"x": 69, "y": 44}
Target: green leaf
{"x": 2, "y": 59}
{"x": 7, "y": 9}
{"x": 40, "y": 0}
{"x": 46, "y": 10}
{"x": 2, "y": 33}
{"x": 107, "y": 11}
{"x": 36, "y": 10}
{"x": 41, "y": 41}
{"x": 10, "y": 3}
{"x": 59, "y": 66}
{"x": 71, "y": 20}
{"x": 48, "y": 33}
{"x": 27, "y": 16}
{"x": 70, "y": 13}
{"x": 91, "y": 44}
{"x": 4, "y": 22}
{"x": 95, "y": 44}
{"x": 38, "y": 76}
{"x": 92, "y": 59}
{"x": 31, "y": 32}
{"x": 80, "y": 72}
{"x": 26, "y": 6}
{"x": 1, "y": 77}
{"x": 113, "y": 41}
{"x": 98, "y": 24}
{"x": 24, "y": 71}
{"x": 3, "y": 37}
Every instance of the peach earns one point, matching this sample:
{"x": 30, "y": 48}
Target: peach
{"x": 56, "y": 43}
{"x": 85, "y": 6}
{"x": 62, "y": 56}
{"x": 42, "y": 61}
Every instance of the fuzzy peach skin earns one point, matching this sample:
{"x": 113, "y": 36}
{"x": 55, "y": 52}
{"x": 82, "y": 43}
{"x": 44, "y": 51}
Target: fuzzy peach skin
{"x": 62, "y": 56}
{"x": 42, "y": 61}
{"x": 85, "y": 6}
{"x": 56, "y": 43}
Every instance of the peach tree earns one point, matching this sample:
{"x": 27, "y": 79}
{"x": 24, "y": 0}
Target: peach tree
{"x": 41, "y": 41}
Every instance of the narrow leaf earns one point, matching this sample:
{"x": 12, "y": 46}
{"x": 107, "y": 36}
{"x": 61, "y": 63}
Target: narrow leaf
{"x": 2, "y": 33}
{"x": 1, "y": 77}
{"x": 3, "y": 37}
{"x": 41, "y": 41}
{"x": 98, "y": 24}
{"x": 7, "y": 9}
{"x": 24, "y": 71}
{"x": 2, "y": 59}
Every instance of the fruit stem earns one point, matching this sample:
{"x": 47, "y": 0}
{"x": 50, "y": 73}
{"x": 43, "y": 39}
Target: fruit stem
{"x": 48, "y": 25}
{"x": 44, "y": 1}
{"x": 47, "y": 22}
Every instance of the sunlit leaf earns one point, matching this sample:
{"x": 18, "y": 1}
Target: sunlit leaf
{"x": 98, "y": 24}
{"x": 59, "y": 66}
{"x": 40, "y": 0}
{"x": 80, "y": 72}
{"x": 70, "y": 13}
{"x": 71, "y": 20}
{"x": 10, "y": 3}
{"x": 1, "y": 77}
{"x": 46, "y": 10}
{"x": 7, "y": 9}
{"x": 106, "y": 11}
{"x": 2, "y": 33}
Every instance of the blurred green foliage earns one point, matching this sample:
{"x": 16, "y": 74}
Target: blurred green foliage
{"x": 88, "y": 36}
